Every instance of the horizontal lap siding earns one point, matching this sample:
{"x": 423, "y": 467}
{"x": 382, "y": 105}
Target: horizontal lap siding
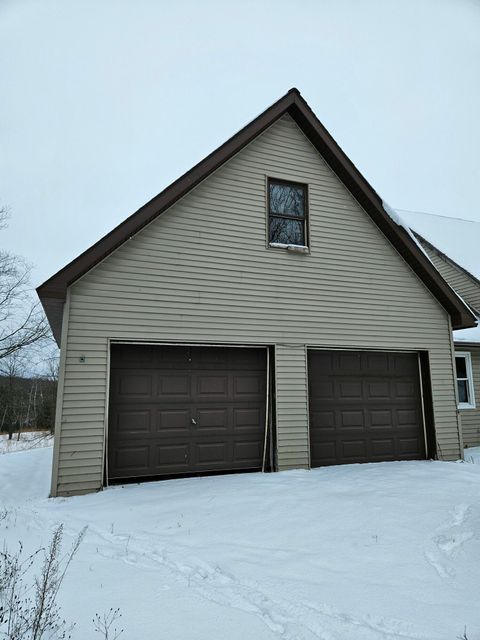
{"x": 291, "y": 407}
{"x": 201, "y": 273}
{"x": 470, "y": 418}
{"x": 83, "y": 417}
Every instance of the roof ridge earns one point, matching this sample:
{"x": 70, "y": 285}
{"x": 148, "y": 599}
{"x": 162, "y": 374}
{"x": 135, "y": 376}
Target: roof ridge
{"x": 436, "y": 215}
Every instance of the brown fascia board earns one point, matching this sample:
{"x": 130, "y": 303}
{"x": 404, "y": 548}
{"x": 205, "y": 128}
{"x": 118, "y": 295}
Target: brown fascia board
{"x": 293, "y": 104}
{"x": 464, "y": 343}
{"x": 53, "y": 308}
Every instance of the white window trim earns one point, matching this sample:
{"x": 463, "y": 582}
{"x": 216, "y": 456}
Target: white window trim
{"x": 299, "y": 248}
{"x": 468, "y": 367}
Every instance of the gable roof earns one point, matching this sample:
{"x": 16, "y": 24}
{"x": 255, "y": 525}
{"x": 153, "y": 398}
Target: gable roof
{"x": 52, "y": 293}
{"x": 458, "y": 240}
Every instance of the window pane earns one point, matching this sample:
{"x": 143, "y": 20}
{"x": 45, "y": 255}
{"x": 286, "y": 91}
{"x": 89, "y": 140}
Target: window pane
{"x": 286, "y": 231}
{"x": 461, "y": 364}
{"x": 287, "y": 199}
{"x": 462, "y": 391}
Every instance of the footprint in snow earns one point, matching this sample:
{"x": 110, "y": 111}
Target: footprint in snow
{"x": 449, "y": 541}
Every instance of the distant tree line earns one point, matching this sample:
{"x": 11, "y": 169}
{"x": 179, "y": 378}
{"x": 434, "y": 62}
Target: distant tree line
{"x": 27, "y": 402}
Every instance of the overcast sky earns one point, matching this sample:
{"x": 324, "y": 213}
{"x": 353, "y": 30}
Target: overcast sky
{"x": 105, "y": 102}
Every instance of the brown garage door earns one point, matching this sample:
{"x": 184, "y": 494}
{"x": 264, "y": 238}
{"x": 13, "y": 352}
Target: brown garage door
{"x": 364, "y": 407}
{"x": 185, "y": 410}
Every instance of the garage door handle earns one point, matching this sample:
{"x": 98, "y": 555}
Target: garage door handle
{"x": 194, "y": 421}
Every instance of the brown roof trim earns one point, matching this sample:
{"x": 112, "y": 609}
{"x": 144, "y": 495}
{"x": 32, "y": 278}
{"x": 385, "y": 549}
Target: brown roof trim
{"x": 464, "y": 343}
{"x": 293, "y": 104}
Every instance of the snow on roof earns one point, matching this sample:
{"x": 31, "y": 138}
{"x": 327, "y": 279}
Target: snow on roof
{"x": 398, "y": 216}
{"x": 457, "y": 238}
{"x": 467, "y": 335}
{"x": 400, "y": 220}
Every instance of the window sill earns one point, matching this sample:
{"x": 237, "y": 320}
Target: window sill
{"x": 297, "y": 248}
{"x": 463, "y": 406}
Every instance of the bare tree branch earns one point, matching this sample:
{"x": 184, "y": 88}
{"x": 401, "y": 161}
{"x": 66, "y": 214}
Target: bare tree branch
{"x": 22, "y": 321}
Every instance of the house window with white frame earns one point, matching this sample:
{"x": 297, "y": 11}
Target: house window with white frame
{"x": 463, "y": 367}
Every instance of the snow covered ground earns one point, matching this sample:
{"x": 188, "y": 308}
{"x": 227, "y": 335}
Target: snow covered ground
{"x": 472, "y": 454}
{"x": 364, "y": 552}
{"x": 27, "y": 440}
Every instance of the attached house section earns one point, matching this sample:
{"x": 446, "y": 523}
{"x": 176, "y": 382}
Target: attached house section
{"x": 468, "y": 382}
{"x": 206, "y": 276}
{"x": 467, "y": 342}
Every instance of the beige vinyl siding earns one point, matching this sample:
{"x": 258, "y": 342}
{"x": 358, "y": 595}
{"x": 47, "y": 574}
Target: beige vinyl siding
{"x": 292, "y": 406}
{"x": 201, "y": 272}
{"x": 466, "y": 286}
{"x": 470, "y": 418}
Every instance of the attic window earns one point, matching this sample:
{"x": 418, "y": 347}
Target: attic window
{"x": 287, "y": 214}
{"x": 463, "y": 365}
